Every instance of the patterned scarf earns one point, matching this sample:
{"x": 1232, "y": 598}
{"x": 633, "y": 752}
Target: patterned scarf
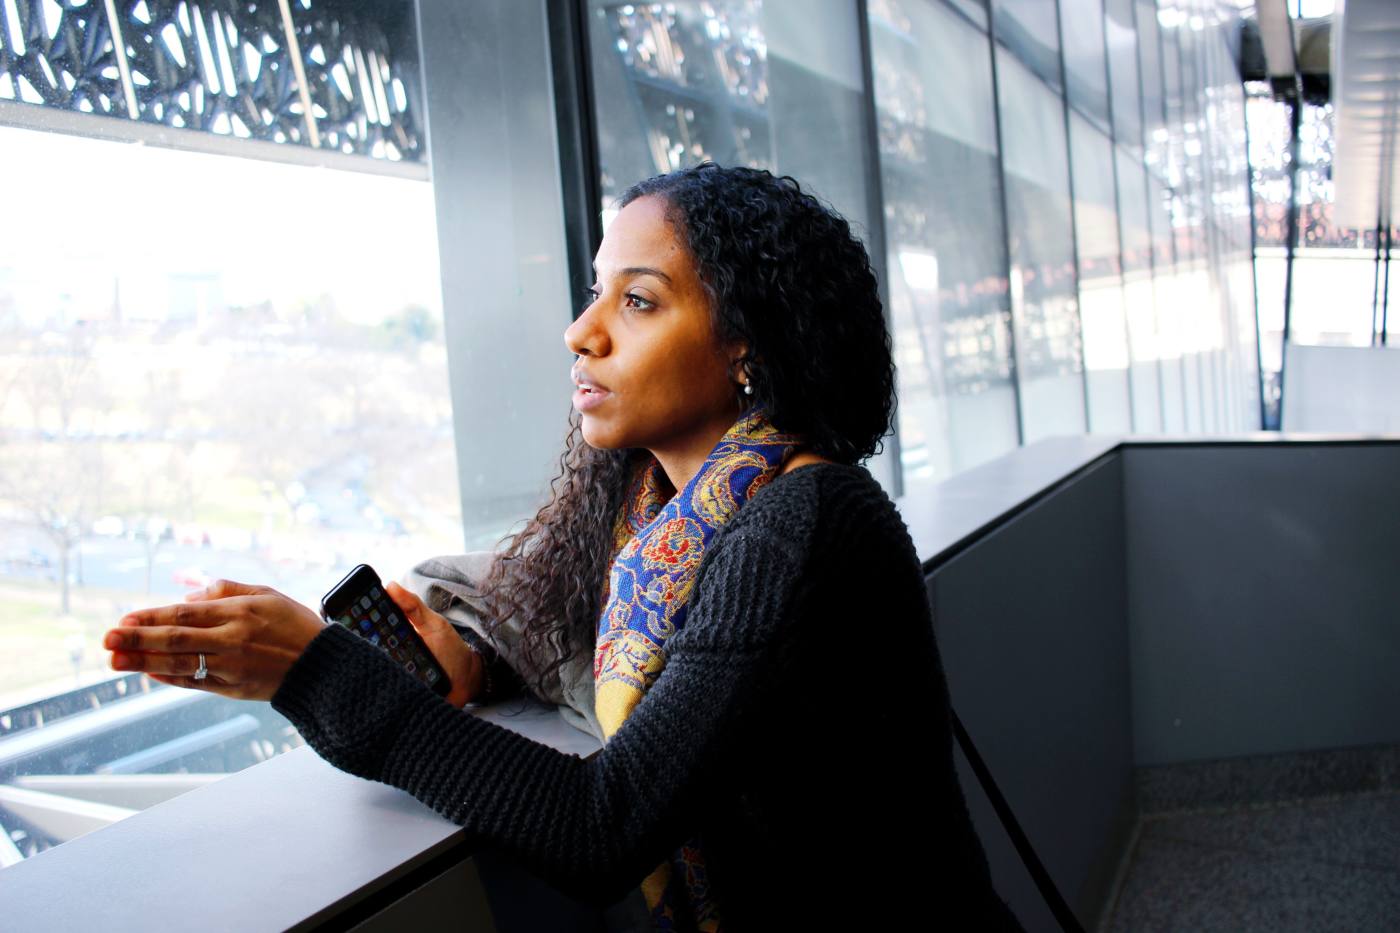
{"x": 657, "y": 548}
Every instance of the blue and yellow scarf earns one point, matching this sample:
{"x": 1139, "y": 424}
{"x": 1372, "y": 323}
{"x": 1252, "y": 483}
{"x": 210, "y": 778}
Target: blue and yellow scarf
{"x": 657, "y": 548}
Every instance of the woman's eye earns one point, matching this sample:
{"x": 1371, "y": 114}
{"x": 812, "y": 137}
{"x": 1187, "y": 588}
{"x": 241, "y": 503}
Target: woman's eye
{"x": 641, "y": 303}
{"x": 590, "y": 295}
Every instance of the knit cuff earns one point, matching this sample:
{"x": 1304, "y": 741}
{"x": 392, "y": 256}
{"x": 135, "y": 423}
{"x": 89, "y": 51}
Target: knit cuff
{"x": 499, "y": 680}
{"x": 325, "y": 682}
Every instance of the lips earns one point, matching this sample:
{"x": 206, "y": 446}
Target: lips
{"x": 584, "y": 381}
{"x": 586, "y": 399}
{"x": 589, "y": 394}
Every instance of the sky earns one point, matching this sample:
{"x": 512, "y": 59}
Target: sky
{"x": 81, "y": 212}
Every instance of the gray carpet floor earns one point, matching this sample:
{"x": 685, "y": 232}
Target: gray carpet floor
{"x": 1316, "y": 864}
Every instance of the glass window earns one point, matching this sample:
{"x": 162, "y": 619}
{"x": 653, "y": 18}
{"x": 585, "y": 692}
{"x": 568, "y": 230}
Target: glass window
{"x": 1120, "y": 35}
{"x": 773, "y": 84}
{"x": 1334, "y": 267}
{"x": 1150, "y": 61}
{"x": 947, "y": 264}
{"x": 1143, "y": 309}
{"x": 1332, "y": 295}
{"x": 1169, "y": 319}
{"x": 1100, "y": 281}
{"x": 1043, "y": 291}
{"x": 1029, "y": 28}
{"x": 213, "y": 365}
{"x": 976, "y": 10}
{"x": 1186, "y": 299}
{"x": 1086, "y": 75}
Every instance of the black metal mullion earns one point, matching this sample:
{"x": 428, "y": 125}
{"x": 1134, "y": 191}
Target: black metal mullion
{"x": 1385, "y": 303}
{"x": 1376, "y": 279}
{"x": 580, "y": 173}
{"x": 1254, "y": 267}
{"x": 875, "y": 210}
{"x": 1291, "y": 241}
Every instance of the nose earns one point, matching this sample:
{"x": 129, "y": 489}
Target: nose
{"x": 587, "y": 335}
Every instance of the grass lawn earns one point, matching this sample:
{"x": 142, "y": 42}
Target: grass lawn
{"x": 35, "y": 634}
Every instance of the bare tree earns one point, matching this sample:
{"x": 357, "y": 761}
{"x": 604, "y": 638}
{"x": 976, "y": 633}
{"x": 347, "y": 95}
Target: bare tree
{"x": 53, "y": 472}
{"x": 164, "y": 487}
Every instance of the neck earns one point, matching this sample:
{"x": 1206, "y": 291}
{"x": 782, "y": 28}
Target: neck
{"x": 683, "y": 457}
{"x": 680, "y": 467}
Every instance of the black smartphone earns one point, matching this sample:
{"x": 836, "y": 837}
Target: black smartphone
{"x": 360, "y": 604}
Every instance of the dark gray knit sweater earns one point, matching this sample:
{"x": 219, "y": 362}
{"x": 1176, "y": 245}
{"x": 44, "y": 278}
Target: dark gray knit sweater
{"x": 800, "y": 726}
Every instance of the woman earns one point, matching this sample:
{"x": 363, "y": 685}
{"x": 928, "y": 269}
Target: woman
{"x": 764, "y": 661}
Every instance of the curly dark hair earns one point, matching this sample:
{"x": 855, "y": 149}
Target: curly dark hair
{"x": 784, "y": 273}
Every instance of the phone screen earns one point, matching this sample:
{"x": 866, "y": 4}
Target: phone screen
{"x": 360, "y": 604}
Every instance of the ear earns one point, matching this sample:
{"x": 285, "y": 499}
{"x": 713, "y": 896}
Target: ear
{"x": 737, "y": 350}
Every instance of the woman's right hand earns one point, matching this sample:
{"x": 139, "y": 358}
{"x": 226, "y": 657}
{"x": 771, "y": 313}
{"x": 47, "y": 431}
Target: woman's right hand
{"x": 464, "y": 666}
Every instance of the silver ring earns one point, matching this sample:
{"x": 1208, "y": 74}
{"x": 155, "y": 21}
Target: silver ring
{"x": 203, "y": 671}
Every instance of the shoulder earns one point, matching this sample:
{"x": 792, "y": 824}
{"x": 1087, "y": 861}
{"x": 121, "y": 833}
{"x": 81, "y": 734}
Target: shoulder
{"x": 794, "y": 543}
{"x": 809, "y": 509}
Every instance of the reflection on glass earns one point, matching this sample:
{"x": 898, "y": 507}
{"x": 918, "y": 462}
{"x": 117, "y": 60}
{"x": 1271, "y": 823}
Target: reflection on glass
{"x": 1086, "y": 74}
{"x": 1029, "y": 28}
{"x": 198, "y": 389}
{"x": 1185, "y": 287}
{"x": 949, "y": 300}
{"x": 976, "y": 10}
{"x": 1150, "y": 60}
{"x": 1168, "y": 298}
{"x": 1120, "y": 35}
{"x": 1334, "y": 268}
{"x": 1390, "y": 309}
{"x": 1038, "y": 215}
{"x": 1144, "y": 331}
{"x": 1333, "y": 291}
{"x": 770, "y": 84}
{"x": 1101, "y": 307}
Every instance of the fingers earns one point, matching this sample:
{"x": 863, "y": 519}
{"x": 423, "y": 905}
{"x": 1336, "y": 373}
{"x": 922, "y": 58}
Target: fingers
{"x": 201, "y": 614}
{"x": 409, "y": 602}
{"x": 151, "y": 663}
{"x": 209, "y": 684}
{"x": 183, "y": 628}
{"x": 220, "y": 589}
{"x": 168, "y": 639}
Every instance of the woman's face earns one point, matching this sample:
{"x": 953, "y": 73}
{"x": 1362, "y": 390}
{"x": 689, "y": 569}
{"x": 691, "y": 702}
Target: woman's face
{"x": 647, "y": 344}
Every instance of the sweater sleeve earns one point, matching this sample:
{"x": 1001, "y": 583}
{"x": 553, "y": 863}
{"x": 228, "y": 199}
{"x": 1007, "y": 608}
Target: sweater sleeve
{"x": 594, "y": 828}
{"x": 500, "y": 681}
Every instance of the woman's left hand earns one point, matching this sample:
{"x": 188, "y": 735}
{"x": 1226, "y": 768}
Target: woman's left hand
{"x": 250, "y": 636}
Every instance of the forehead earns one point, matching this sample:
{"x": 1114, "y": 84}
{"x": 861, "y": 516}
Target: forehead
{"x": 640, "y": 235}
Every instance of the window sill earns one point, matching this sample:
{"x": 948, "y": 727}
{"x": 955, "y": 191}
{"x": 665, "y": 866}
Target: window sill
{"x": 286, "y": 843}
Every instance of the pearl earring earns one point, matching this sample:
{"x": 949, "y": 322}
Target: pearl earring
{"x": 748, "y": 388}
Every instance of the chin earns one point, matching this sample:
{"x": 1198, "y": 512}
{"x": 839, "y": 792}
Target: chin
{"x": 595, "y": 436}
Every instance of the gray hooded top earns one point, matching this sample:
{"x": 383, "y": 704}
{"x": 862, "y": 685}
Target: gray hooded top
{"x": 450, "y": 586}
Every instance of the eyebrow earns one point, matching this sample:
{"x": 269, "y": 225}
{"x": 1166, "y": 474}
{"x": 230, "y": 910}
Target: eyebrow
{"x": 640, "y": 270}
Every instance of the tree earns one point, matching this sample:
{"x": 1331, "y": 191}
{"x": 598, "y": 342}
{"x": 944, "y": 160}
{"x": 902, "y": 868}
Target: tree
{"x": 53, "y": 471}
